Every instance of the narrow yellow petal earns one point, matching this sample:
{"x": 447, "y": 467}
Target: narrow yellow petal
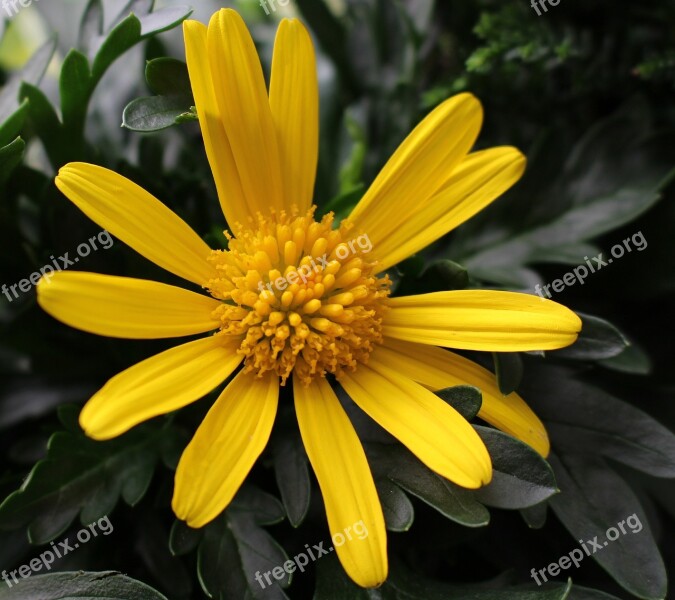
{"x": 218, "y": 150}
{"x": 125, "y": 307}
{"x": 225, "y": 447}
{"x": 353, "y": 508}
{"x": 436, "y": 369}
{"x": 487, "y": 320}
{"x": 294, "y": 100}
{"x": 245, "y": 110}
{"x": 158, "y": 385}
{"x": 420, "y": 166}
{"x": 434, "y": 431}
{"x": 478, "y": 180}
{"x": 138, "y": 219}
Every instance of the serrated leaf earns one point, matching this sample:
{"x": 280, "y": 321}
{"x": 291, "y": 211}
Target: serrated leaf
{"x": 598, "y": 339}
{"x": 155, "y": 113}
{"x": 81, "y": 477}
{"x": 105, "y": 585}
{"x": 465, "y": 399}
{"x": 520, "y": 476}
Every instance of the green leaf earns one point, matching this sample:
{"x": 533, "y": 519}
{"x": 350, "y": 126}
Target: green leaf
{"x": 465, "y": 399}
{"x": 46, "y": 122}
{"x": 439, "y": 276}
{"x": 583, "y": 593}
{"x": 10, "y": 158}
{"x": 168, "y": 77}
{"x": 12, "y": 126}
{"x": 76, "y": 86}
{"x": 82, "y": 477}
{"x": 521, "y": 478}
{"x": 399, "y": 513}
{"x": 292, "y": 476}
{"x": 106, "y": 585}
{"x": 598, "y": 339}
{"x": 582, "y": 418}
{"x": 595, "y": 499}
{"x": 405, "y": 470}
{"x": 163, "y": 20}
{"x": 184, "y": 539}
{"x": 509, "y": 371}
{"x": 123, "y": 36}
{"x": 155, "y": 112}
{"x": 235, "y": 548}
{"x": 633, "y": 360}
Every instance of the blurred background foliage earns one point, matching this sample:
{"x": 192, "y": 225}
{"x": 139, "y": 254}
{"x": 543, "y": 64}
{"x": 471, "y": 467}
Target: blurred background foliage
{"x": 585, "y": 90}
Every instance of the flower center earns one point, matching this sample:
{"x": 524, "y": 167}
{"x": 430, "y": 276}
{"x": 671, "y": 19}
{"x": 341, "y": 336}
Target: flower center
{"x": 301, "y": 295}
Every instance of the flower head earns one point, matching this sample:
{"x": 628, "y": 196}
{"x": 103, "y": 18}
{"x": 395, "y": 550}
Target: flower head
{"x": 293, "y": 298}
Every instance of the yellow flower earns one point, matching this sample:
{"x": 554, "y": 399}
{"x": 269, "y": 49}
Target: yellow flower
{"x": 282, "y": 316}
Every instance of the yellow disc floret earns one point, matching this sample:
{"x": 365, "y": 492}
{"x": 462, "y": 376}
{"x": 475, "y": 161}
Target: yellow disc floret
{"x": 301, "y": 296}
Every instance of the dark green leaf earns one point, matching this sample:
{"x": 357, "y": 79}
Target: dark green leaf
{"x": 124, "y": 36}
{"x": 155, "y": 112}
{"x": 10, "y": 158}
{"x": 106, "y": 585}
{"x": 396, "y": 506}
{"x": 401, "y": 467}
{"x": 184, "y": 539}
{"x": 598, "y": 339}
{"x": 465, "y": 399}
{"x": 12, "y": 126}
{"x": 593, "y": 500}
{"x": 633, "y": 360}
{"x": 82, "y": 477}
{"x": 521, "y": 477}
{"x": 76, "y": 86}
{"x": 46, "y": 121}
{"x": 509, "y": 371}
{"x": 292, "y": 476}
{"x": 168, "y": 77}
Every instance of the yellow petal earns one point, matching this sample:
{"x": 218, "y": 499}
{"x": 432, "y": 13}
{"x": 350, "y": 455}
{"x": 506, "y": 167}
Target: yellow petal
{"x": 158, "y": 385}
{"x": 228, "y": 442}
{"x": 434, "y": 431}
{"x": 353, "y": 508}
{"x": 420, "y": 166}
{"x": 218, "y": 150}
{"x": 436, "y": 369}
{"x": 138, "y": 219}
{"x": 487, "y": 320}
{"x": 478, "y": 180}
{"x": 245, "y": 110}
{"x": 125, "y": 307}
{"x": 294, "y": 100}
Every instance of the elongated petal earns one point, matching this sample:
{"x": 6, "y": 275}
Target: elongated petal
{"x": 420, "y": 166}
{"x": 245, "y": 110}
{"x": 487, "y": 320}
{"x": 125, "y": 307}
{"x": 434, "y": 431}
{"x": 218, "y": 150}
{"x": 228, "y": 442}
{"x": 158, "y": 385}
{"x": 437, "y": 368}
{"x": 138, "y": 219}
{"x": 478, "y": 180}
{"x": 346, "y": 482}
{"x": 294, "y": 100}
